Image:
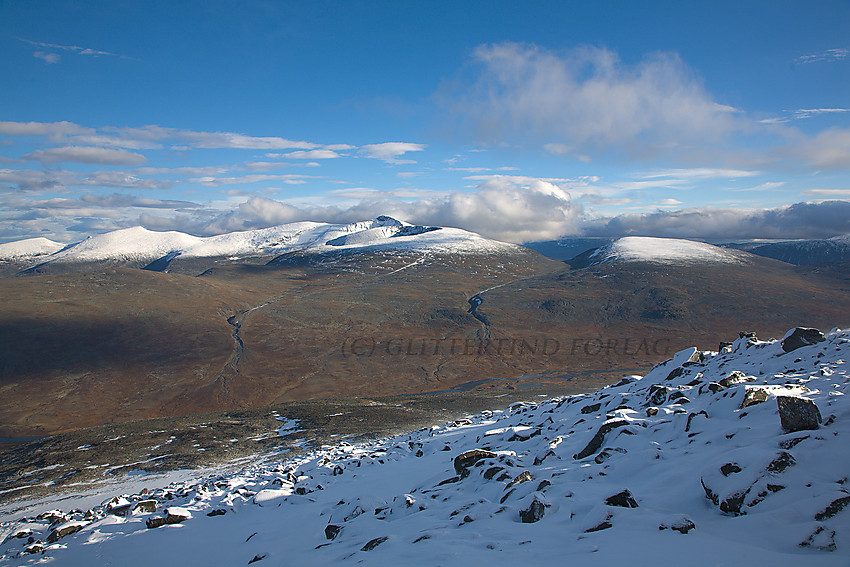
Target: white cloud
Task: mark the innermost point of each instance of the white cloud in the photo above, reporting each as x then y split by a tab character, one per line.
215	140
586	100
73	48
829	149
829	55
211	181
767	186
669	202
701	173
828	192
86	154
42	128
390	151
310	154
51	58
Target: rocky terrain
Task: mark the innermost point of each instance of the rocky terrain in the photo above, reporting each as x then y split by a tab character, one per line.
734	457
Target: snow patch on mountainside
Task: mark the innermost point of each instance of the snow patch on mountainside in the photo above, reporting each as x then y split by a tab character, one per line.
663	250
30	247
735	457
143	245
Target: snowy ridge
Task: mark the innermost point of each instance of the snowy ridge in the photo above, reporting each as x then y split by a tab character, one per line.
29	248
700	461
663	250
141	244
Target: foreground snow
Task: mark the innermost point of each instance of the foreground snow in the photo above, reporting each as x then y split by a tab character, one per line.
692	464
141	244
663	250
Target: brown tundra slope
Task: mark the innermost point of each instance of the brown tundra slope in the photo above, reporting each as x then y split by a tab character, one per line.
114	344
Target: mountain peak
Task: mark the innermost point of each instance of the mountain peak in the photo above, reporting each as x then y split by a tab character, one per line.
662	251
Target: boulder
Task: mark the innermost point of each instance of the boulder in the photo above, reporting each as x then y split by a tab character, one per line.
800	337
465	460
145	506
596	443
372	544
524	476
797	414
623	499
65	529
533	513
331	531
754	395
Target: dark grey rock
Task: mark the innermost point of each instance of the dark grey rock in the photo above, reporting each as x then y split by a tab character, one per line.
780	463
524	476
331	531
802	336
730	468
623	499
596	443
372	544
834	507
145	506
798	414
533	513
465	460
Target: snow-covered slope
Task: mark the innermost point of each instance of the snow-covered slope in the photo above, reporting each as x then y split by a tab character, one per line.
143	245
29	248
662	250
700	462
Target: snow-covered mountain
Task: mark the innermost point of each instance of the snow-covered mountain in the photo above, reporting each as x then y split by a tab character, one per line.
139	244
735	457
658	250
29	248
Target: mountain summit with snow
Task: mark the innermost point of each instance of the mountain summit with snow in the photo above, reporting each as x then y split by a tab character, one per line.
660	251
140	245
735	457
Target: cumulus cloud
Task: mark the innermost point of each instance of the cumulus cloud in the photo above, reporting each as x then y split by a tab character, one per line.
505	208
801	220
42	128
87	154
390	151
585	99
216	140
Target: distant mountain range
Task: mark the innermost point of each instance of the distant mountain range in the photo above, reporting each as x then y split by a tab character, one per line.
802	252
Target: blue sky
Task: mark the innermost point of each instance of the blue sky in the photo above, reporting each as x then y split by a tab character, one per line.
521	121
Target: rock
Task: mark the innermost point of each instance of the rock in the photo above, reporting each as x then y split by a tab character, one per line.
173	515
492	471
822	539
465	460
714	387
735	377
651	411
730	505
145	506
658	394
683	526
678	398
754	395
797	414
730	468
604	525
257	558
800	337
331	531
65	529
591	408
780	463
623	499
543	484
372	544
596	443
217	512
834	507
524	476
533	513
338	470
675	373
